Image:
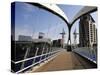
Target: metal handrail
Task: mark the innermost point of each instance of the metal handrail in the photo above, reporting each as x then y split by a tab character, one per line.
31	58
86	53
54	55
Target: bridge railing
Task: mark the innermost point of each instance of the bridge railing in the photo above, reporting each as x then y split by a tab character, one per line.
28	63
87	52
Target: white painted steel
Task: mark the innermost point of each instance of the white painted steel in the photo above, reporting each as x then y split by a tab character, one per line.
86	52
32	57
83	11
52	56
56	9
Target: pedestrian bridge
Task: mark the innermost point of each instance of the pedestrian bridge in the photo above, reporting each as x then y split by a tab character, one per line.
65	61
56	59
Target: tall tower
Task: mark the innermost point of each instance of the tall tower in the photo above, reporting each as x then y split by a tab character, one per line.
87	31
75	36
63	35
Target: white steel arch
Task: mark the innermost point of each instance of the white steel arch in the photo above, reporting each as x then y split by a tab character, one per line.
84	10
53	8
56	9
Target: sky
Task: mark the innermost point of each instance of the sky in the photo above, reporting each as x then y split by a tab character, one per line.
30	20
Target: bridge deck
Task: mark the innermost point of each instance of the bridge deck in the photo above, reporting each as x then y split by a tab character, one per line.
66	61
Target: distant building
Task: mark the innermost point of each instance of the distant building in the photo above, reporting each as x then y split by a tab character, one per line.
45	40
24	38
87	31
57	43
41	35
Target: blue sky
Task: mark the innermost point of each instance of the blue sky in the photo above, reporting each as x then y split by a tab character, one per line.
30	20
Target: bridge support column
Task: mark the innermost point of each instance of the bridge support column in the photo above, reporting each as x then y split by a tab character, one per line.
69	39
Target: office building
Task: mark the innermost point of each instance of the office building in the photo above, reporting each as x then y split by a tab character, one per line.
87	31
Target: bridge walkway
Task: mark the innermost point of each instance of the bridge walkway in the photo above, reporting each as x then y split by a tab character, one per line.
66	61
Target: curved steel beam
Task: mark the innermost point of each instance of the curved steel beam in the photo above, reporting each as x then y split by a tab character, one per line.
85	10
53	8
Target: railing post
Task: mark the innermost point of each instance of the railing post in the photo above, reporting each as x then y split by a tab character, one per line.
46	52
37	49
27	51
42	53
